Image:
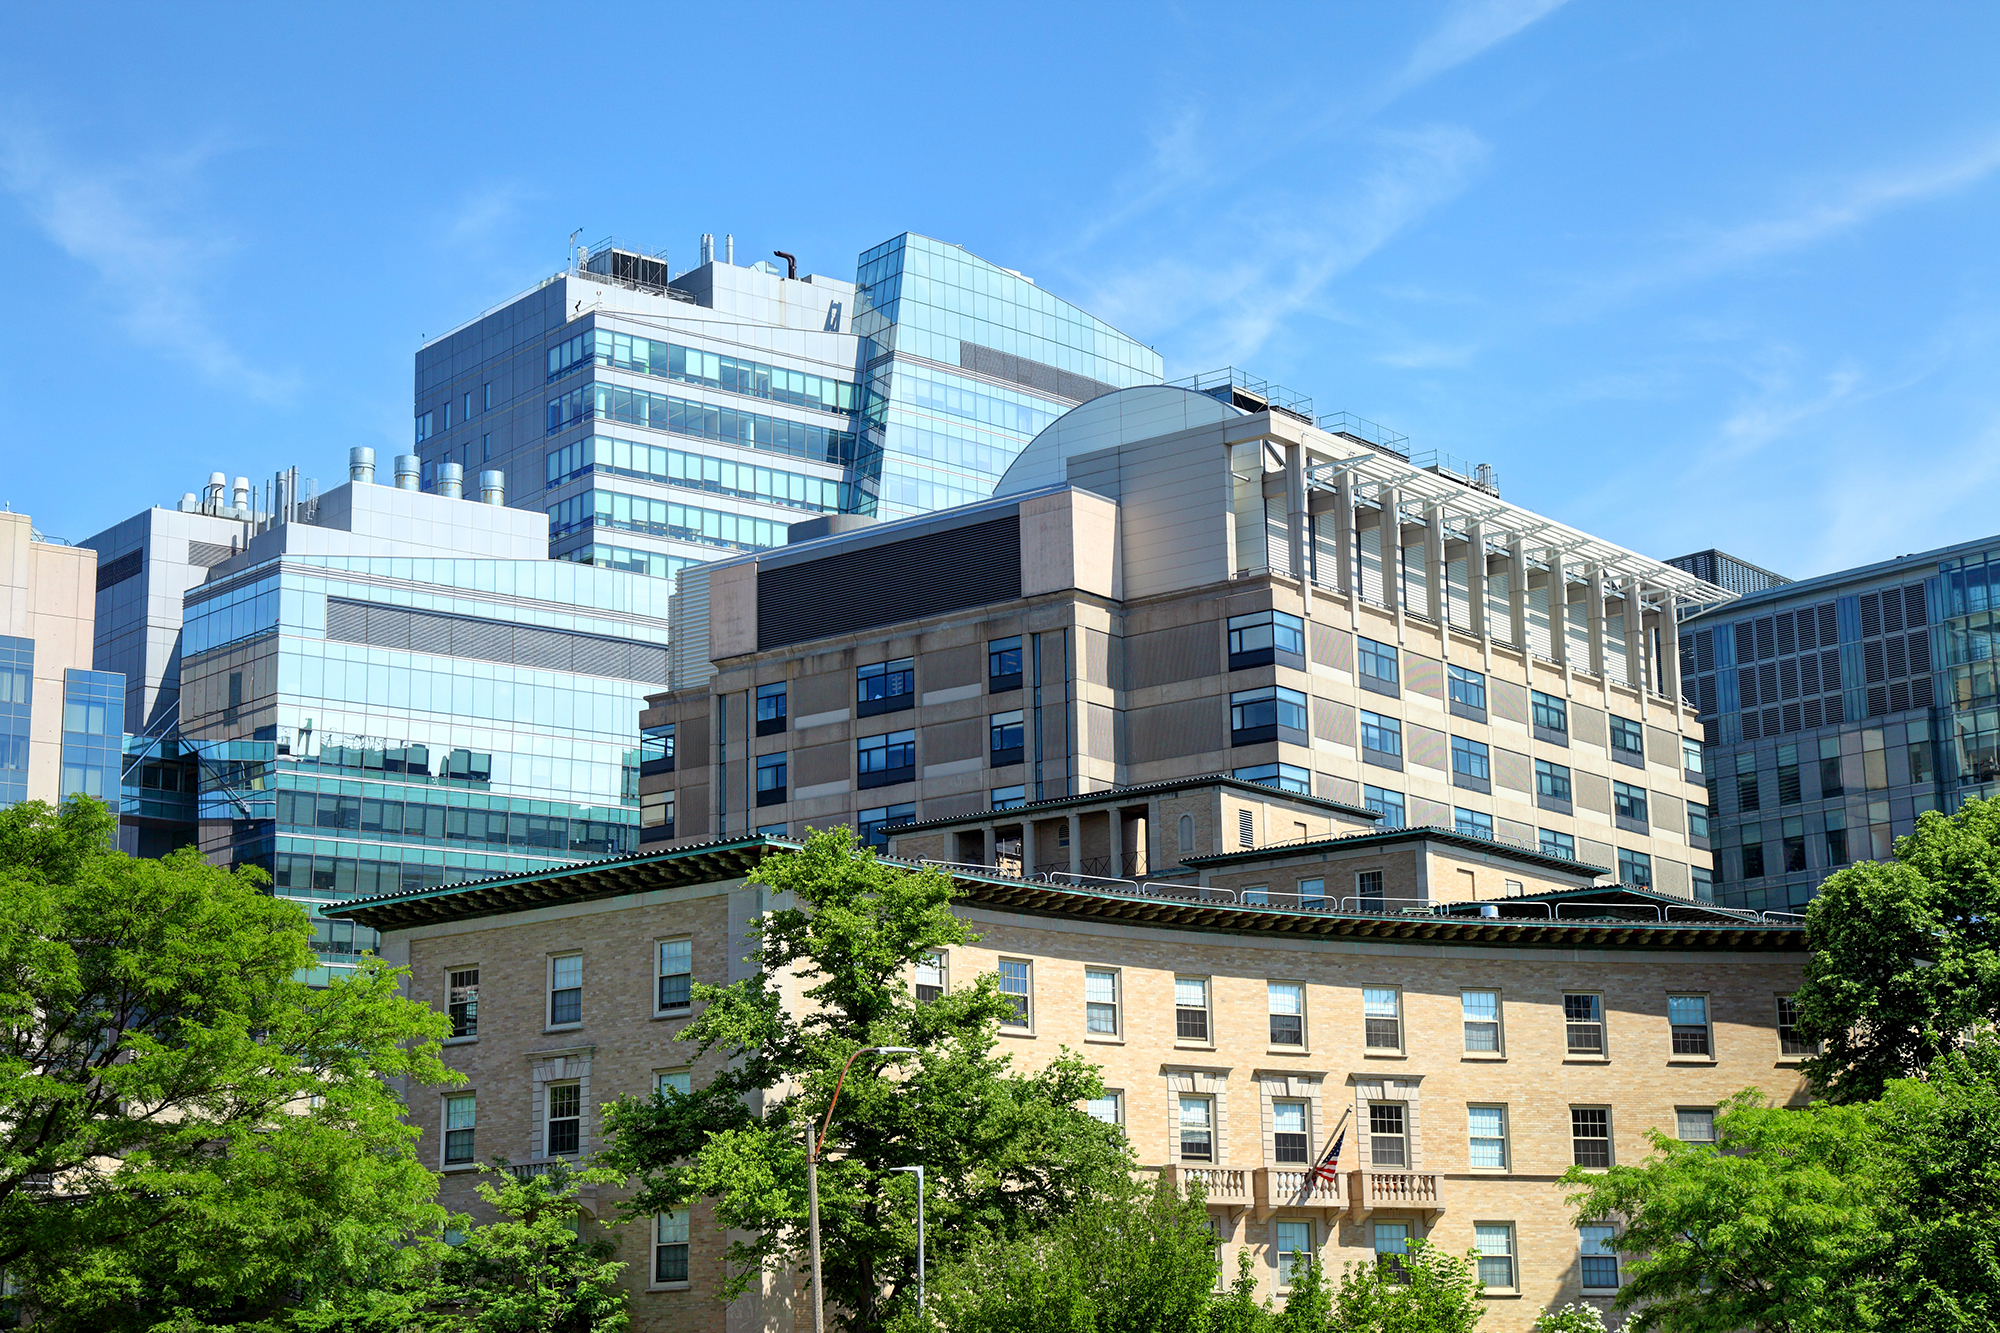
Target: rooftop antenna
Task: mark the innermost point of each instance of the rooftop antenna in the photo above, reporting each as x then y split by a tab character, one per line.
572	246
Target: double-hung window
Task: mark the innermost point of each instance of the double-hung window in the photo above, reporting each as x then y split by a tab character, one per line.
1583	1023
1486	1132
565	989
676	976
1687	1015
565	1119
1015	984
888	759
1312	893
1494	1242
1368	888
1378	667
1697	821
771	773
1294	1244
1267	714
1191	1009
1599	1256
1590	1135
1790	1042
1691	759
460	1119
1629	802
930	979
1628	741
1382	1018
1110	1108
770	709
885	687
1287	1004
1481	1012
1388	1134
1100	1002
1392	1248
1471	767
462	1002
1381	741
1197	1120
1551	715
1003	664
679	1082
1289	1143
1006	738
1694	1124
670	1247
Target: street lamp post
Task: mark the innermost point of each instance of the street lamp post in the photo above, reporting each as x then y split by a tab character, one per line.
919	1171
815	1142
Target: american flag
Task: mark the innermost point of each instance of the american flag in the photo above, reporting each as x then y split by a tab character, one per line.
1329	1166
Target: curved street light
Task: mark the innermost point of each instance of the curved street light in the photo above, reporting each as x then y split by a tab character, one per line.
814	1142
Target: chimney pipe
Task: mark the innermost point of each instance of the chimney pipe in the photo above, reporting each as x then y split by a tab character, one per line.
729	248
240	493
791	263
409	467
361	465
493	488
708	247
212	494
451	481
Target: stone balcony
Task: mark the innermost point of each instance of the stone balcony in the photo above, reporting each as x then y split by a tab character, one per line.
1396	1191
1223	1186
1293	1187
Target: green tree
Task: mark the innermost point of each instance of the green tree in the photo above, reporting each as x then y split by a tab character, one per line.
1431	1291
1576	1317
1005	1153
183	1124
1777	1227
1905	962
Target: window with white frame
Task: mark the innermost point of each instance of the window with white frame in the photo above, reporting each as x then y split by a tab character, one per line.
564	1127
679	1081
1688	1016
1288	1013
566	989
460	1119
462	1002
1289	1141
1583	1021
1481	1012
1382	1018
1110	1108
1015	978
1312	893
930	979
1392	1247
1294	1244
1590	1136
670	1247
1494	1242
676	976
1389	1134
1486	1132
1694	1124
1599	1245
1100	1002
1197	1126
1789	1041
1191	1009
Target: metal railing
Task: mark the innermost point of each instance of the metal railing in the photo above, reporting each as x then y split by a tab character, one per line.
1369	432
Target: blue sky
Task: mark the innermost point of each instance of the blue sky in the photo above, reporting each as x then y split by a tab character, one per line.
1687	275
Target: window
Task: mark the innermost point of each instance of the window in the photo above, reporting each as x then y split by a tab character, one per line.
1551	782
885	687
1288	1132
465	411
771	830
1184	834
462	1002
1010	798
1287	1003
486	448
1486	1132
887	759
1829	766
486	405
930	978
1590	1135
1003	664
1368	888
1005	738
770	709
1583	1018
1469	764
1480	1010
566	989
1191	1009
1551	717
565	1122
1630	804
1388	804
1263	637
676	976
1687	1015
1472	823
1635	869
1558	844
1600	1257
872	825
1697	820
1100	1002
460	1116
1382	1018
1378	666
1691	755
1753	851
1014	983
1836	846
656	749
677	1081
1266	714
1312	893
1293	1241
1259	896
656	816
1392	1246
1793	844
1788	775
1494	1242
1746	781
1381	740
1628	740
670	1247
1197	1129
1285	777
1789	1040
770	779
1694	1124
425	424
1110	1108
1388	1134
1466	689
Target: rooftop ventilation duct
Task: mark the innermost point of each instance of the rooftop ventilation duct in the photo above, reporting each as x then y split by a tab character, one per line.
493	488
361	465
451	481
408	469
708	247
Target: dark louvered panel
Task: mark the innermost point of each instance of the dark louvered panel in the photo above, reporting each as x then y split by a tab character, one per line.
1920	651
114	572
1914	610
430	633
1829	625
542	648
346	622
1788	679
1873	662
929	574
1767	645
1829	669
1871	614
1767	683
1809	674
1812	714
1746	642
1746	686
1787	639
1704	651
1791	717
1899	664
493	641
388	627
1920	692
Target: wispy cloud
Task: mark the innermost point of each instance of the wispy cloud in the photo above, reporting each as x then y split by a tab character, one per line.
1470	27
123	225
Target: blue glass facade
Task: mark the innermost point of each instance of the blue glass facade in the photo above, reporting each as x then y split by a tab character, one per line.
928	313
1969	676
371	725
17	687
93	743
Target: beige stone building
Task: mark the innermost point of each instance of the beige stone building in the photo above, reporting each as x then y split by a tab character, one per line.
48	616
1169	585
1472	1023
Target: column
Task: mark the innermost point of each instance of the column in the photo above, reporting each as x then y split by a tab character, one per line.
1392	552
1475	575
1343	530
1636	665
1517	592
1115	839
1298	523
1558	610
1028	857
1075	843
1435	590
989	853
1668	625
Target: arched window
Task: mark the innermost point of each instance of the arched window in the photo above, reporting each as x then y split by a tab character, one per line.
1187	833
